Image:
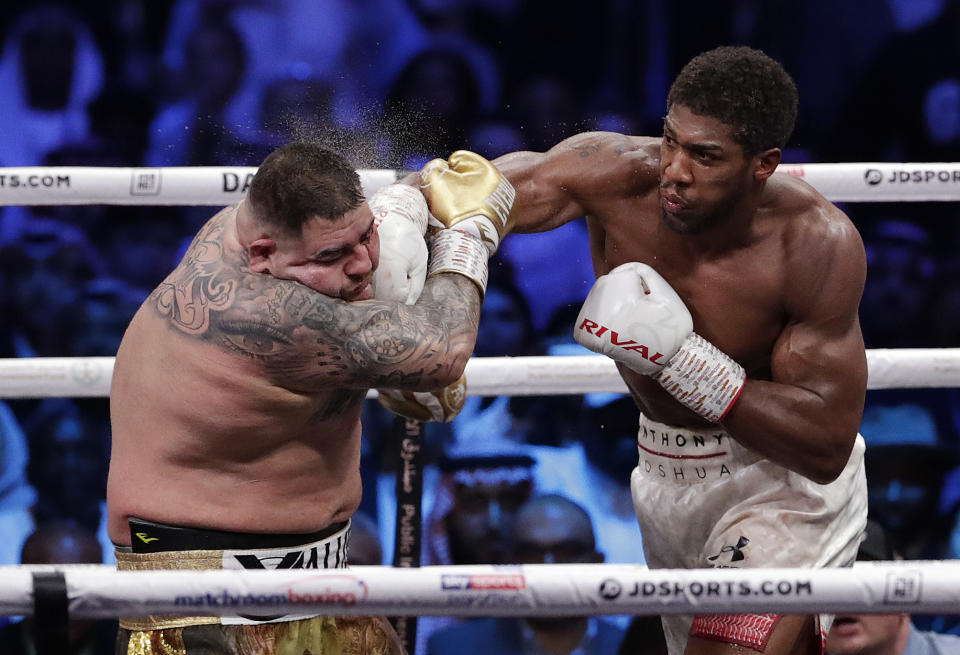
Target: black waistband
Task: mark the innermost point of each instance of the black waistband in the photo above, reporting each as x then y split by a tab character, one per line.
150	537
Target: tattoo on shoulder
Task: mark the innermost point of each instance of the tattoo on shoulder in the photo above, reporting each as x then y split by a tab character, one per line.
202	283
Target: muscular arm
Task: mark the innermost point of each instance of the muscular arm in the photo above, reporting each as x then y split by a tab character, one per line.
807	417
307	341
557	186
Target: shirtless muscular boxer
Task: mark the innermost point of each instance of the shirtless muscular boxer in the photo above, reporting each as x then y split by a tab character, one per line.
728	297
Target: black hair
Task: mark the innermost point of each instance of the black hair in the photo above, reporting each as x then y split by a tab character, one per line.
743	88
301	181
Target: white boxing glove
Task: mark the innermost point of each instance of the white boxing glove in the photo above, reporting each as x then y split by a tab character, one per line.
400	215
634	316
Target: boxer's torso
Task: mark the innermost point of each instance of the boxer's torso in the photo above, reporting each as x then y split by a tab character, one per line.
738	296
204	436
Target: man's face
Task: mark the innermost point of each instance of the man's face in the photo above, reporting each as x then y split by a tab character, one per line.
703	171
482	520
336	258
863	633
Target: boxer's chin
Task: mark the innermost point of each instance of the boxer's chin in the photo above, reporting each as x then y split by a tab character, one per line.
363	292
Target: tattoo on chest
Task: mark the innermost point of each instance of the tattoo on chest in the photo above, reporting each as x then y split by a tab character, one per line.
200	284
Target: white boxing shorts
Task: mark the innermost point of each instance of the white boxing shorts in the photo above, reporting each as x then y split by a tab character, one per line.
703	500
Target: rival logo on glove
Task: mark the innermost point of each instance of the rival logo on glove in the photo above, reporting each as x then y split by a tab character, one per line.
597	330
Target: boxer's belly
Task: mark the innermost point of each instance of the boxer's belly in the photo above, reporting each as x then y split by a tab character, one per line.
295	491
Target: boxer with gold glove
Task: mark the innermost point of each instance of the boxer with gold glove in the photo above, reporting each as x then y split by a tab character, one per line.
470	203
400	215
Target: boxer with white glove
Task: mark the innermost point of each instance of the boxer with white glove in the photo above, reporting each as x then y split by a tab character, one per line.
400	215
634	316
470	203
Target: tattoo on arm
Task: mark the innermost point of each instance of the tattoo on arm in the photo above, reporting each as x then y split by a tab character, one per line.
303	338
200	284
375	343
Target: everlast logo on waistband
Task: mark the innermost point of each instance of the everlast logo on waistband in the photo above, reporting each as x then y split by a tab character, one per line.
597	330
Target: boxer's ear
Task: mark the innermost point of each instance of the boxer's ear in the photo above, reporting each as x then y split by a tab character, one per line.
260	252
766	163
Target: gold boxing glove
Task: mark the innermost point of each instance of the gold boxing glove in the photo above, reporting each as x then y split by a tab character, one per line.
440	406
469	194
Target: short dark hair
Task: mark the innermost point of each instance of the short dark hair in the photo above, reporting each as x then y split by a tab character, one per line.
301	181
745	89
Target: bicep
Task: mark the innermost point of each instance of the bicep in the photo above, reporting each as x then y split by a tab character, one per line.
559	185
543	199
822	349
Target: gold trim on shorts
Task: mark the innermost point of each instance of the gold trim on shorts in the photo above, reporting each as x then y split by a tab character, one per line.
173	560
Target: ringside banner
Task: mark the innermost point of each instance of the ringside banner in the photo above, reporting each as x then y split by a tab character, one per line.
533	590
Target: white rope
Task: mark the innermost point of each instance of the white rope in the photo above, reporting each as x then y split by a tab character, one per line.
224	185
532	590
175	185
89	377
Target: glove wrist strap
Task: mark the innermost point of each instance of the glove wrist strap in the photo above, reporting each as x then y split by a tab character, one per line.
455	251
703	378
399	199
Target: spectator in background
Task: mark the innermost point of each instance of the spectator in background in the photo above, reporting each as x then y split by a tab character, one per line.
129	32
194	130
481	488
470	510
883	634
105	307
910	435
898	295
50	68
295	109
119	121
547	109
548	529
92	151
586	448
908	461
917	76
141	243
946	329
68	465
549	289
431	106
495	137
506	330
46	267
61	542
365	549
17	495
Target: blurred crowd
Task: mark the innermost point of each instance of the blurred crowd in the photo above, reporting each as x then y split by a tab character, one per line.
392	84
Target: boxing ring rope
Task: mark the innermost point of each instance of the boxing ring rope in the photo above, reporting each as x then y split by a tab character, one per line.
79	377
224	185
529	590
